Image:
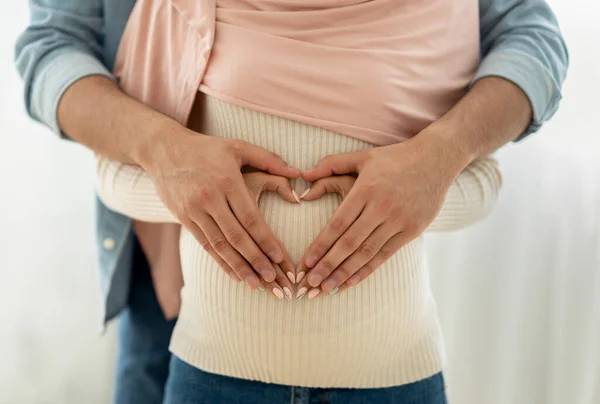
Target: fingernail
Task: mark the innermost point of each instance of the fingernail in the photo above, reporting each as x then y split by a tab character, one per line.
315	280
300	276
268	275
301	293
305	193
353	280
295	196
334	291
251	280
261	288
287	292
314	293
276	256
290	276
278	293
311	261
329	284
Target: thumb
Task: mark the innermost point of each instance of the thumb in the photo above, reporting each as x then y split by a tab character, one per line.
339	184
346	163
259	182
282	186
250	155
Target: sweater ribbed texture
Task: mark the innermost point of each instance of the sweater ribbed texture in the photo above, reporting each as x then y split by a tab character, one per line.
383	332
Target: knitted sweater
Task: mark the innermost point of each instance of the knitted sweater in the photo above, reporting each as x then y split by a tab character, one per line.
383	332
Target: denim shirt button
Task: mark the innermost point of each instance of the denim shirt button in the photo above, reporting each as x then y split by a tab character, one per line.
108	244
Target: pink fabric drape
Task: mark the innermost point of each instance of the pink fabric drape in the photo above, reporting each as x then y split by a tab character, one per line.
377	70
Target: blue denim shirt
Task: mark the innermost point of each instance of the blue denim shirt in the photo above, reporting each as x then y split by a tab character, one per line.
70	39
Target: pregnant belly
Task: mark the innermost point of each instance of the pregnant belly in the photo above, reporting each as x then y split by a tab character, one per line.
371	325
395	293
226	321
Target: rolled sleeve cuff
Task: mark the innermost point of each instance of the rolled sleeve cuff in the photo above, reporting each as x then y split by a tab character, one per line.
56	75
534	79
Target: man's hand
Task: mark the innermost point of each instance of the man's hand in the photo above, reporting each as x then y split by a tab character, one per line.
199	179
397	194
258	182
401	188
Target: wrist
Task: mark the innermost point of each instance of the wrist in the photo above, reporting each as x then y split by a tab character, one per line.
155	141
493	113
444	142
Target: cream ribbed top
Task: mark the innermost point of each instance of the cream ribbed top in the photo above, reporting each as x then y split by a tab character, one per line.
383	332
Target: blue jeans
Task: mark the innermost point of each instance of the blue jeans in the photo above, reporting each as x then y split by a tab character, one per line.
144	335
189	385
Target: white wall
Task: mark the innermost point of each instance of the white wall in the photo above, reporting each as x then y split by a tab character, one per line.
544	289
49	348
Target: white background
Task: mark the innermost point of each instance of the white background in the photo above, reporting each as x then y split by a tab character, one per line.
518	295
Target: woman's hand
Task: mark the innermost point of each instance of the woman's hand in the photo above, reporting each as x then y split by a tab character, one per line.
199	179
397	194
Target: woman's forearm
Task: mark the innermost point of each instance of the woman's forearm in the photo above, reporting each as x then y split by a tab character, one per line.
471	196
130	191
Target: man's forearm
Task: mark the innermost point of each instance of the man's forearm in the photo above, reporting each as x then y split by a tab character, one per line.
96	113
493	113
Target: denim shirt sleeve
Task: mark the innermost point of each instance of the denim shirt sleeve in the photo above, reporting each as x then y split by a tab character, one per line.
61	45
521	42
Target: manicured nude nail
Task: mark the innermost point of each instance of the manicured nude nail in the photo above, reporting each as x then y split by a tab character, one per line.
295	196
290	276
261	288
278	293
334	291
288	293
305	193
301	293
313	293
300	276
329	284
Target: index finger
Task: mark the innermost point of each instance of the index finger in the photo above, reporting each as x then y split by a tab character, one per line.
250	217
346	214
264	160
281	287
